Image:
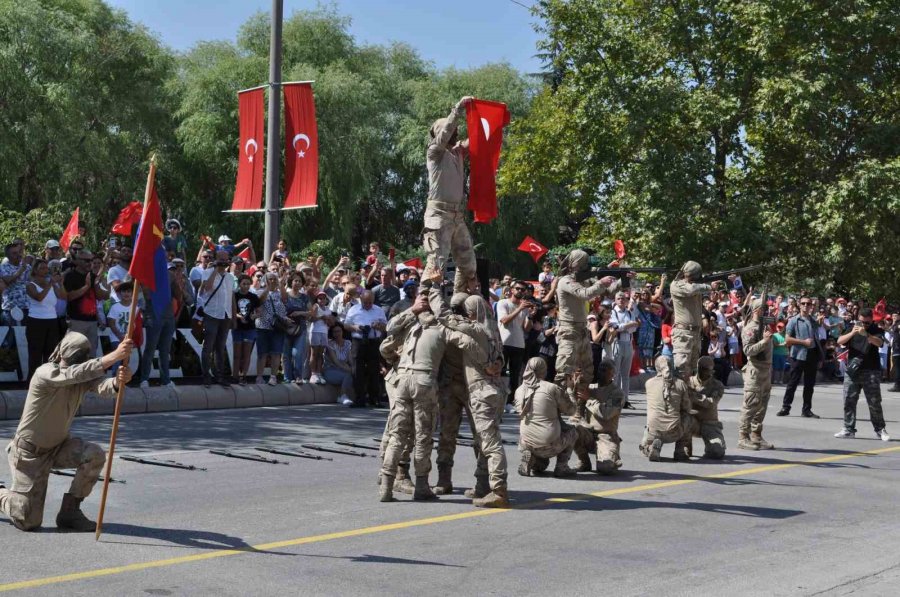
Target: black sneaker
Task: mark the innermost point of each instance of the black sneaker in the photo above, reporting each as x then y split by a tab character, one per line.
810	414
783	412
894	389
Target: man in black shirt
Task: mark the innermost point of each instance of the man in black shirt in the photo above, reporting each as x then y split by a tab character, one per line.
895	352
863	374
84	287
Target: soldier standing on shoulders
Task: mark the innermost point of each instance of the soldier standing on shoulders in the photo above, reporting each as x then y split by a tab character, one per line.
42	440
687	300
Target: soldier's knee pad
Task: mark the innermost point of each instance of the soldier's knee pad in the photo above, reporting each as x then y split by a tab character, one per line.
94	455
607	466
21	514
715	449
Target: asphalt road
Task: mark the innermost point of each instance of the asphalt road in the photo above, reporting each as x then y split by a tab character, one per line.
817	516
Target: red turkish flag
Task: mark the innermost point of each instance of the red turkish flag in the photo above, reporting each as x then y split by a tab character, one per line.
533	248
414	262
245	254
880	310
301	147
251	152
485	121
70	232
128	218
619	248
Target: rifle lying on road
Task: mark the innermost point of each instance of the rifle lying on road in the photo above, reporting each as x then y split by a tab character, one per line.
166	463
335	450
243	456
617	272
293	453
354	445
72	474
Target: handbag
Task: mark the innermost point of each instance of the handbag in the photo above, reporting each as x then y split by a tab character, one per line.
209	298
284	324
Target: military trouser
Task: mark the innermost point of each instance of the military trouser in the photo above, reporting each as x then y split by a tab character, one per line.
604	445
412	416
757	388
391	391
679	435
487	404
561	447
573	353
446	233
453	401
685	350
868	381
23	503
712	435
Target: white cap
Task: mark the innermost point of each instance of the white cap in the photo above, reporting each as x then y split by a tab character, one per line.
223	238
52	244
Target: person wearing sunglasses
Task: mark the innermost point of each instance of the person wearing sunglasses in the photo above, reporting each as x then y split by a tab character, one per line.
804	358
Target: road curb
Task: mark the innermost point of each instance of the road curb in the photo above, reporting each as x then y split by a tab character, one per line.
185	398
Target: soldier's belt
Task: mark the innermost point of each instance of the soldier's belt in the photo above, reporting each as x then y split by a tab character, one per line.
445	206
27	446
427	372
684	326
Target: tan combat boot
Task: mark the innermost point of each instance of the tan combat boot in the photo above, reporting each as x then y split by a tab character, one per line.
654	449
498	498
423	491
403	483
525	466
761	444
563	470
744	443
386	492
71	518
481	489
445	484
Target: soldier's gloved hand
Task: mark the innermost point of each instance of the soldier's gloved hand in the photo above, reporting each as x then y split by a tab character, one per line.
465	101
123	376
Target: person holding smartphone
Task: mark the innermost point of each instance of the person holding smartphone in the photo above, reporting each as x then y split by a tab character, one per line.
218	317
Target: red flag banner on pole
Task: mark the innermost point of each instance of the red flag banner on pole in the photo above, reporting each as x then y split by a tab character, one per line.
301	146
251	153
70	232
880	310
533	248
485	121
414	262
619	248
128	218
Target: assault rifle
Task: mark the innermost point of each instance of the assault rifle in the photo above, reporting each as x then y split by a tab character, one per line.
617	272
723	275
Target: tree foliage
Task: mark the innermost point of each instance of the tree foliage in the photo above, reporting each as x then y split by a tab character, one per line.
724	131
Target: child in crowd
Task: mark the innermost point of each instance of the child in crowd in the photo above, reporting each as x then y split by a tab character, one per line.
320	315
779	354
546	276
117	318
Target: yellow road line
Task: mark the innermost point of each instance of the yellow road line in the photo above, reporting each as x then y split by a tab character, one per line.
88	574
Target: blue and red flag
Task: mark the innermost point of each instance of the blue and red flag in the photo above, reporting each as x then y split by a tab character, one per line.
148	262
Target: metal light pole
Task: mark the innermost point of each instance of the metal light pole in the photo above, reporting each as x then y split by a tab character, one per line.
273	157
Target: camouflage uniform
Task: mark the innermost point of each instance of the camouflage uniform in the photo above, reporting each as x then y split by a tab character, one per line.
446	232
541	432
757	385
486	396
42	439
668	412
573	338
707	391
687	302
599	429
390	352
415	398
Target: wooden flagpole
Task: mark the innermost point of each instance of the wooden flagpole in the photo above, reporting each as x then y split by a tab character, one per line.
120	395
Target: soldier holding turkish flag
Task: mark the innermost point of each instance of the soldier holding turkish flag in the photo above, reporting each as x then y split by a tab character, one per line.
445	231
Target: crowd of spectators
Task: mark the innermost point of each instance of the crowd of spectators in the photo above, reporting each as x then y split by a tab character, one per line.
319	324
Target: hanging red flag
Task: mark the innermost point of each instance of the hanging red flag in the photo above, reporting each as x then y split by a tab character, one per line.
533	248
414	262
880	310
245	254
301	150
128	218
70	232
251	152
485	121
619	248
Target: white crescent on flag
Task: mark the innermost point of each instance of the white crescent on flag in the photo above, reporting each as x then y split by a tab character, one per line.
535	247
250	142
487	128
300	137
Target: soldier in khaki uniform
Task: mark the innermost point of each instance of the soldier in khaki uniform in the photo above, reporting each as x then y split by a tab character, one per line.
390	351
415	396
757	382
599	429
542	434
668	412
486	395
572	336
453	401
707	392
687	299
446	232
42	440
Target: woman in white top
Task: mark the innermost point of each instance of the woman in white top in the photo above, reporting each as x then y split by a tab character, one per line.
41	326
